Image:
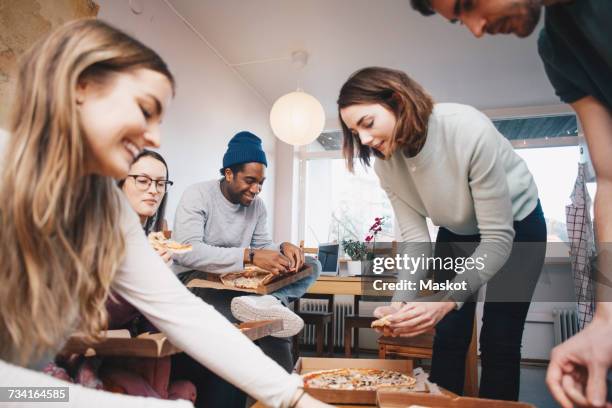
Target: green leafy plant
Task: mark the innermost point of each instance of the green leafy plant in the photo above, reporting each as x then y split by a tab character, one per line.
355	249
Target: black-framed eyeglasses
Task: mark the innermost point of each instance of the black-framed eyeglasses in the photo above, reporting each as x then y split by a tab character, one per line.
144	182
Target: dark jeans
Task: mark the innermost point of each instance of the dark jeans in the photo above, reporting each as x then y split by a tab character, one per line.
502	321
213	391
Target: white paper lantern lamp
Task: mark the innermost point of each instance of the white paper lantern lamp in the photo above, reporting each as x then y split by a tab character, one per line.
297	118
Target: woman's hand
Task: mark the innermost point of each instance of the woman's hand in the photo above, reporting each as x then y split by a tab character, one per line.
416	318
383	311
166	255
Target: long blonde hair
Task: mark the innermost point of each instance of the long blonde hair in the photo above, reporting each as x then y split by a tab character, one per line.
60	245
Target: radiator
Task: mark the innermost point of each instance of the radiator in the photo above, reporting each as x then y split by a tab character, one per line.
565	324
341	309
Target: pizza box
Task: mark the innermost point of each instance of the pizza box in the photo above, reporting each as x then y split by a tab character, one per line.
213	281
118	343
399	399
307	364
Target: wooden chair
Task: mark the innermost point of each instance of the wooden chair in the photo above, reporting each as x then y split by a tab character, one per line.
319	319
355	322
422	347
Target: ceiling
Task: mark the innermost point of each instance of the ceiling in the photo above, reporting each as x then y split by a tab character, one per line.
342	36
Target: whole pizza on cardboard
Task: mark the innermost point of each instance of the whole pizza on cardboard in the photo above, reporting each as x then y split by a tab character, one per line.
364	379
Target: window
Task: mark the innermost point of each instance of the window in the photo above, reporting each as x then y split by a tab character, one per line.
341	205
554	170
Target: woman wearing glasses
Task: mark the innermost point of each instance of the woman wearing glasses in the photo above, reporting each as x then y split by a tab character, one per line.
145	188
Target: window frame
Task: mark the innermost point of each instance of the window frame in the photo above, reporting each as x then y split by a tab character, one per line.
303	155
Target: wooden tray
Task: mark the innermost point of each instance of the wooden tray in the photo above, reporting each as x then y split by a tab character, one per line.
394	399
118	343
308	364
213	281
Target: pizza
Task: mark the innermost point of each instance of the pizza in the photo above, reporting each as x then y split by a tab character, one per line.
251	278
159	241
381	323
364	379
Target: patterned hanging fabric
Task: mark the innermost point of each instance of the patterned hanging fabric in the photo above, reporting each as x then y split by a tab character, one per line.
582	247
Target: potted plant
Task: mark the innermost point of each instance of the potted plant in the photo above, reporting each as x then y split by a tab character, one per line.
357	252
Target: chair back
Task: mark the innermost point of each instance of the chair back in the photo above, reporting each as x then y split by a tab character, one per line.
308	250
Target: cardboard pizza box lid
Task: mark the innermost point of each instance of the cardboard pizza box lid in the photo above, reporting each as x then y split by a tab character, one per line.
213	281
308	364
395	399
119	343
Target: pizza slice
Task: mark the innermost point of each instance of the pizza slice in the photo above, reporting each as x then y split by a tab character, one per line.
251	278
382	322
159	241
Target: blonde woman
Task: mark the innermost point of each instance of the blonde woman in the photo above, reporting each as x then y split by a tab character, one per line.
89	100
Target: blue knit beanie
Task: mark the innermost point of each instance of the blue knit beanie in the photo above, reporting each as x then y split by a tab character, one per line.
244	147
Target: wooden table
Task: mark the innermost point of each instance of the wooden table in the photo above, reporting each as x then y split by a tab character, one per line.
348	285
354	286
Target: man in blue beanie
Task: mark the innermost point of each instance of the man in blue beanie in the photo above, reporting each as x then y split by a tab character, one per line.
226	223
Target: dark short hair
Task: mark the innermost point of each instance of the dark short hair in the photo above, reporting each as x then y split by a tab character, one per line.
156	222
236	168
423	7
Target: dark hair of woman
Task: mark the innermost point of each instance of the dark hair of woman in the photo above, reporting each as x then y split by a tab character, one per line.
397	92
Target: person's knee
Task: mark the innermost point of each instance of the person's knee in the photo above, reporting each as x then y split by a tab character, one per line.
315	264
316	270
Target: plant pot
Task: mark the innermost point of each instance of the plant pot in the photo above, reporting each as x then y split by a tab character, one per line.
367	267
354	268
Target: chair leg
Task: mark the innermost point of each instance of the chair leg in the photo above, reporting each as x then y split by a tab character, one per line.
357	341
470	388
330	338
320	338
348	331
382	351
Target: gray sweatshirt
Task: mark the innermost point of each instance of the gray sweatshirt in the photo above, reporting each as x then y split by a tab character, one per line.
218	230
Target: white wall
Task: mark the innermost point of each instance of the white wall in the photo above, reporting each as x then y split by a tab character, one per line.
286	197
212	103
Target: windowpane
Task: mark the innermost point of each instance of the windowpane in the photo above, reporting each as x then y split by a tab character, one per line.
554	170
341	205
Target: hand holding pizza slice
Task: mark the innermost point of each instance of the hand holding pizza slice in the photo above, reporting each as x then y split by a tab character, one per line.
159	241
